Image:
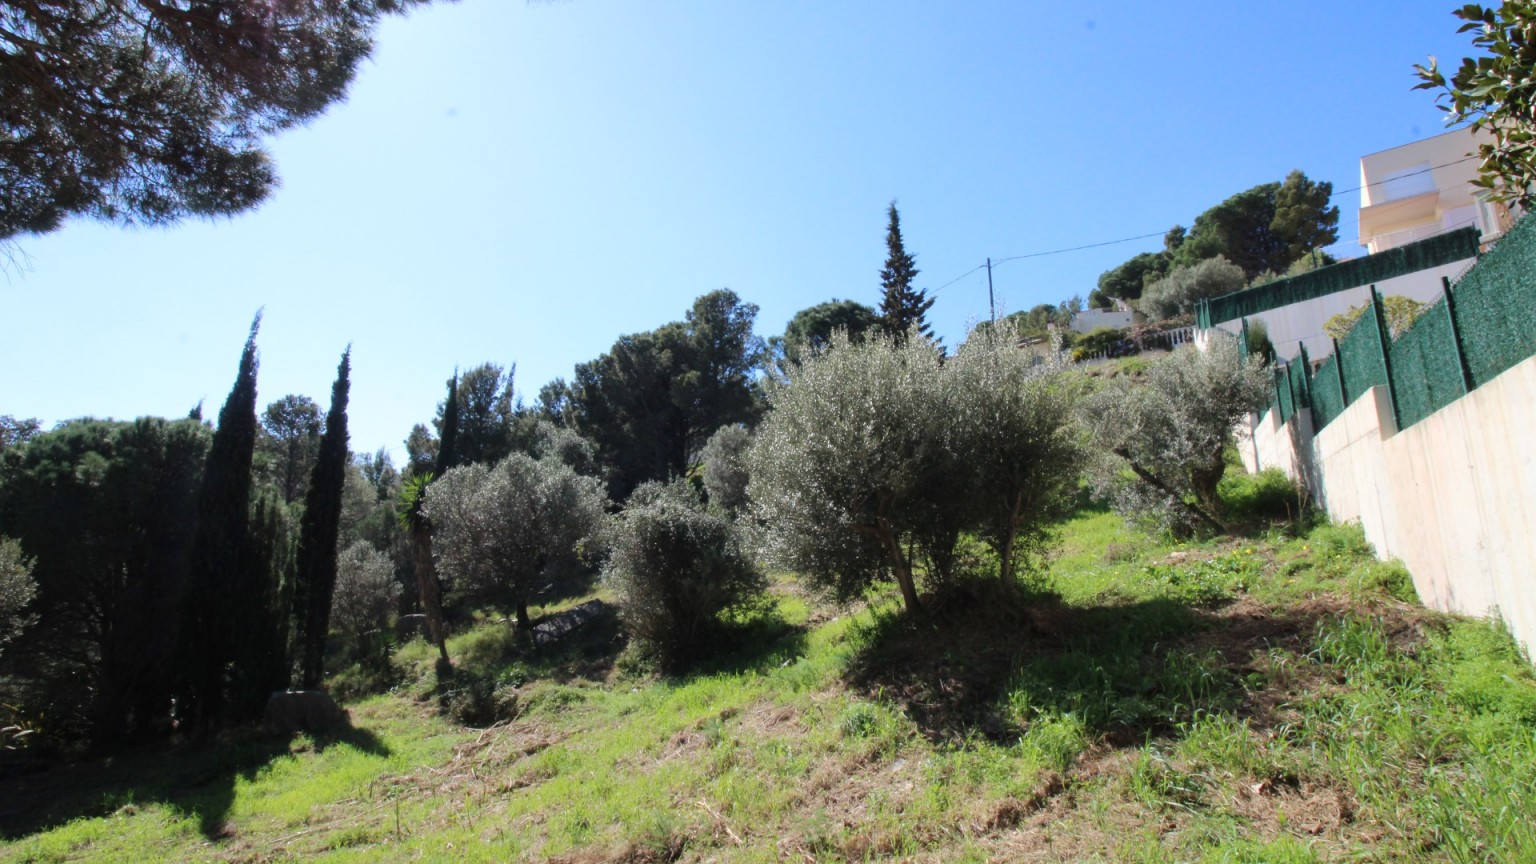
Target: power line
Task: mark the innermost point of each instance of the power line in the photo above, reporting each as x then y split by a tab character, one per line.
1040	254
958	278
1403	176
1079	248
1164	233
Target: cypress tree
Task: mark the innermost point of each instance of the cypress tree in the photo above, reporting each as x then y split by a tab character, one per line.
448	436
219	600
902	307
262	661
315	572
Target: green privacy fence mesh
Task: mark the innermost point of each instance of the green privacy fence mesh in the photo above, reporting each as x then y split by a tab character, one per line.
1285	399
1327	397
1426	373
1447	248
1362	356
1495	305
1482	327
1292	390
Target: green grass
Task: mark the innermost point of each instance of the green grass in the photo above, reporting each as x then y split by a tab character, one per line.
1275	697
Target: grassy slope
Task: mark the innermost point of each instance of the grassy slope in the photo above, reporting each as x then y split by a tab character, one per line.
1272	699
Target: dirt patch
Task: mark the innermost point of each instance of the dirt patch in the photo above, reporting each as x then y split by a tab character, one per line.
503	744
766	719
1308	808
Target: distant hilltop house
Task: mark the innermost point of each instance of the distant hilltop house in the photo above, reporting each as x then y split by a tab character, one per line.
1118	318
1422	221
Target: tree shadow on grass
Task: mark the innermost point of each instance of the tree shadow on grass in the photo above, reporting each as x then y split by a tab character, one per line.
568	588
587	653
760	642
986	657
198	780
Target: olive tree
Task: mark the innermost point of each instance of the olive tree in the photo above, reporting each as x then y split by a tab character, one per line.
566	445
843	463
725	470
1170	431
1179	290
507	530
878	451
366	594
1012	421
675	567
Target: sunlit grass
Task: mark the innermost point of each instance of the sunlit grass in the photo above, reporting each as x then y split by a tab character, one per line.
1265	698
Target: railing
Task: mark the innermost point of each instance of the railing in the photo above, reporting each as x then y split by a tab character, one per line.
1396	239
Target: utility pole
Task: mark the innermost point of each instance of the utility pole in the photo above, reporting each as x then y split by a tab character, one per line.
991	303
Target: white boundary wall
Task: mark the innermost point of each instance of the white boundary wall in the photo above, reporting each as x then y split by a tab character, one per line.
1452	496
1293	324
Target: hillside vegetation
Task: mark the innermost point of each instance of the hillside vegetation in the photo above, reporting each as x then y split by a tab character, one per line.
1279	698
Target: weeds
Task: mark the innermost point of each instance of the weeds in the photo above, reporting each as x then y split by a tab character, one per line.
1205	582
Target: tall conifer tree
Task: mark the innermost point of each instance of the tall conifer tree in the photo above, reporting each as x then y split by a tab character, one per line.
218	596
262	661
315	573
448	436
902	307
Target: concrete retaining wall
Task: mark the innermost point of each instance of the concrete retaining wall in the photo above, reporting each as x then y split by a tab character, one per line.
1453	496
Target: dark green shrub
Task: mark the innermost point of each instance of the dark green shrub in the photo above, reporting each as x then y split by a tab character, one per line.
1258	344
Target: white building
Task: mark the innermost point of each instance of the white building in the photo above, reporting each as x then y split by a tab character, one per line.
1425	188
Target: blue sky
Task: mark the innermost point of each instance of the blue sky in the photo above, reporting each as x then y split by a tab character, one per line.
522	183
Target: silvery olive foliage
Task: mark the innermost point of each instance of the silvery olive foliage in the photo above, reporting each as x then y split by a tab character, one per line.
1178	291
841	464
1170	431
505	531
878	450
367	591
566	445
725	469
1013	421
16	590
676	567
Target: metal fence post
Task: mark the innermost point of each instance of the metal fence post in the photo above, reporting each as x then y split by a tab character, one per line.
1467	384
1384	339
1338	366
1290	385
1306	372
